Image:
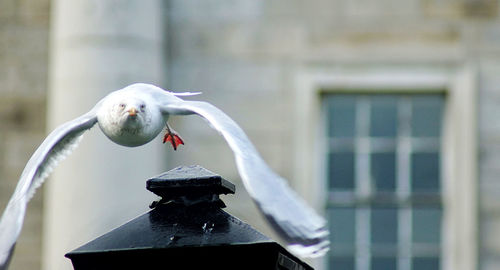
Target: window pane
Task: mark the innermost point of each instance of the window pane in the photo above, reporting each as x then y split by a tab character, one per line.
341	263
426	224
341	170
341	115
426	116
383	116
425	172
383	171
384	225
342	224
381	263
425	263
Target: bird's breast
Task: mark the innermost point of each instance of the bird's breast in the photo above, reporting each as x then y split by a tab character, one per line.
132	133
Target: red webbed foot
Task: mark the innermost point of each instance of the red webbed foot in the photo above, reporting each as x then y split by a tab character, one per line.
172	137
175	140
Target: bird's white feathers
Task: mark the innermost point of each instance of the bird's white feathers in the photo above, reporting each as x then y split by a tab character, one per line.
289	215
58	153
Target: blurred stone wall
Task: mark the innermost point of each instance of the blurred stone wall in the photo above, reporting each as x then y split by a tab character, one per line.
24	37
243	55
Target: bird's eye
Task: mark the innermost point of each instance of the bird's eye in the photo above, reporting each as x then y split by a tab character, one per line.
143	106
122	105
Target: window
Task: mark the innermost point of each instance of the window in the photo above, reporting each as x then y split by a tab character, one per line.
384	202
414	208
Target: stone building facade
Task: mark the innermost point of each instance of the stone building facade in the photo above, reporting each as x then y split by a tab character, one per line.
24	52
267	64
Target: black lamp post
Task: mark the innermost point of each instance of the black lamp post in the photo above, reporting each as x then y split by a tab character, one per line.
187	229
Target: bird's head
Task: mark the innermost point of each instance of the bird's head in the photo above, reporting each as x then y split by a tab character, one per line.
131	112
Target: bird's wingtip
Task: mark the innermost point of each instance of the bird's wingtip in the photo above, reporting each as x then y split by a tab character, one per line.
6	257
184	94
312	251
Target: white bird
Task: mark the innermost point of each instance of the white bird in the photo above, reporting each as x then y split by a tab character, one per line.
135	115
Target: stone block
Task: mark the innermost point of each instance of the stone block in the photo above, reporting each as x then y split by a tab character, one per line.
34	12
7	11
238	40
385	10
489	190
489	262
453	9
22	114
19	148
124	20
292	9
215	11
490	231
219	78
489	100
23	60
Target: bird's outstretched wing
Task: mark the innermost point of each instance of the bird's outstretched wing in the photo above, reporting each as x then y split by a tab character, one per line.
288	214
54	148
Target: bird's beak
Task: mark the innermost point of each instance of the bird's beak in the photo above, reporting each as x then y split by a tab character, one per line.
132	112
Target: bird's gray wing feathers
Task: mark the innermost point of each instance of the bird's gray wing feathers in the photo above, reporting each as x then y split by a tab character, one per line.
289	215
58	144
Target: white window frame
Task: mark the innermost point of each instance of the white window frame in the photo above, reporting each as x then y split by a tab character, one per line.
459	147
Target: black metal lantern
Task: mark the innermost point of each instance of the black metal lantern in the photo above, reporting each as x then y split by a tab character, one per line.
186	229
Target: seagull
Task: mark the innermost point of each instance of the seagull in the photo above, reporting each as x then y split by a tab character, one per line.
135	115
